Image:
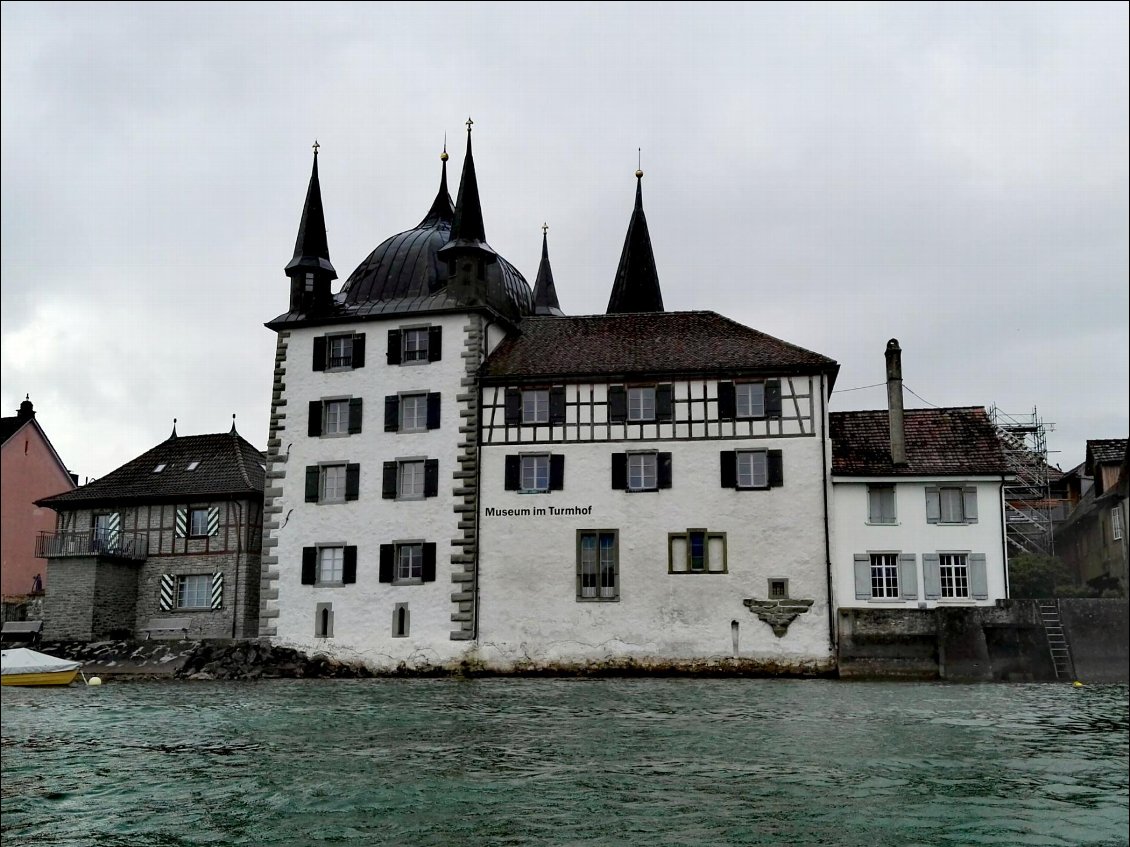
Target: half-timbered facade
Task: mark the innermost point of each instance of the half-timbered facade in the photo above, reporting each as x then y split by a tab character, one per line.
174	532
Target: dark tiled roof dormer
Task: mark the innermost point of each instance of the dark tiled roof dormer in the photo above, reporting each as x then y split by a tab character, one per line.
1104	451
939	442
229	467
645	344
636	287
545	293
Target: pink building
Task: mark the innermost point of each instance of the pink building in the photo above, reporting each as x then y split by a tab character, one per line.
30	469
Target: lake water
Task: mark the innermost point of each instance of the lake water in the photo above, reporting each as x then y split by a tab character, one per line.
652	762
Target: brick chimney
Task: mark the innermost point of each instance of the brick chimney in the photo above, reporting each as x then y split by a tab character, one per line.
894	401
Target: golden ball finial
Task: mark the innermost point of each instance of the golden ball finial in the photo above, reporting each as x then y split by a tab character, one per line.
639	173
443	156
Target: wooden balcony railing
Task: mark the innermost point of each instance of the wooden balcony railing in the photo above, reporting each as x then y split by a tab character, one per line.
115	544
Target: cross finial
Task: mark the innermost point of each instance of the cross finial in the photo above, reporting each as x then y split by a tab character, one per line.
544	228
316	146
469	123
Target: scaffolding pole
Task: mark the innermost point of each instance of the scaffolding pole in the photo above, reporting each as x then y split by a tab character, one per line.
1028	502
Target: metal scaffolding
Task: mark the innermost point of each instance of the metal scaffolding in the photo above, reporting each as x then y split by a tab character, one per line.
1029	507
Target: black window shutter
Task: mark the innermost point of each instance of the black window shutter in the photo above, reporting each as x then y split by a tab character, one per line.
385	569
772	398
309	565
729	468
354	415
664	470
388	481
663	405
557	404
556	472
352	481
617	403
620	471
513	406
392	413
320	353
349	566
435	343
315	419
513	475
359	350
776	469
429	569
393	353
431	477
727	402
433	410
312	478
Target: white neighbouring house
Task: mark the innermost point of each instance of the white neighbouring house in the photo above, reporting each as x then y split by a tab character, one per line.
457	472
918	514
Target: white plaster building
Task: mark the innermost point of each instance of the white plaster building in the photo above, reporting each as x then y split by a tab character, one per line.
457	472
918	514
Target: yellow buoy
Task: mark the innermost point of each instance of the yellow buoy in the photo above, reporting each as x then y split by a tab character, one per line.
94	680
1077	684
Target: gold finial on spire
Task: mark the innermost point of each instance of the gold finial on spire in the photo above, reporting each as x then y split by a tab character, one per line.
639	163
443	155
544	228
469	123
316	146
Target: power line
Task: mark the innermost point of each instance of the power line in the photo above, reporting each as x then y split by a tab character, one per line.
859	388
920	397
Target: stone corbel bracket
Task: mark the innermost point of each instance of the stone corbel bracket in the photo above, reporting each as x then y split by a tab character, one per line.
778	613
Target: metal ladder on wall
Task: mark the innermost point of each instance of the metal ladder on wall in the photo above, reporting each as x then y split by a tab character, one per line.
1057	642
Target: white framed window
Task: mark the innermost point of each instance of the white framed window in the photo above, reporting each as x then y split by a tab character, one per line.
597	565
332	488
1116	523
749	398
413	412
535	406
885	575
643	471
194	591
198	522
410	480
953	570
753	468
641	403
331	565
339	351
535	473
335	417
409	561
881	504
414	345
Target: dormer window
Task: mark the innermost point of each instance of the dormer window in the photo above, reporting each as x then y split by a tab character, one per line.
309	282
192	466
159	468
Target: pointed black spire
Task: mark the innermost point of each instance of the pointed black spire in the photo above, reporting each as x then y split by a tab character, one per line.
174	432
442	211
232	430
310	270
636	288
467	228
545	294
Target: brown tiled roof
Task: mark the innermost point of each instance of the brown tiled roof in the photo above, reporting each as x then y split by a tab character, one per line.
1105	450
645	343
944	442
229	466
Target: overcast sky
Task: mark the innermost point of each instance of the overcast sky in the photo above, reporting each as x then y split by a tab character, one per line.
834	175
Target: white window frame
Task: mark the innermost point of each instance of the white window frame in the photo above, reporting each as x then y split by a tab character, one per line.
749	399
534	477
641	403
194	591
410	483
414	345
598	565
198	522
948	496
885	576
875	494
954	576
335	416
409	562
331	483
643	471
331	564
752	468
1116	523
535	405
339	351
418	421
